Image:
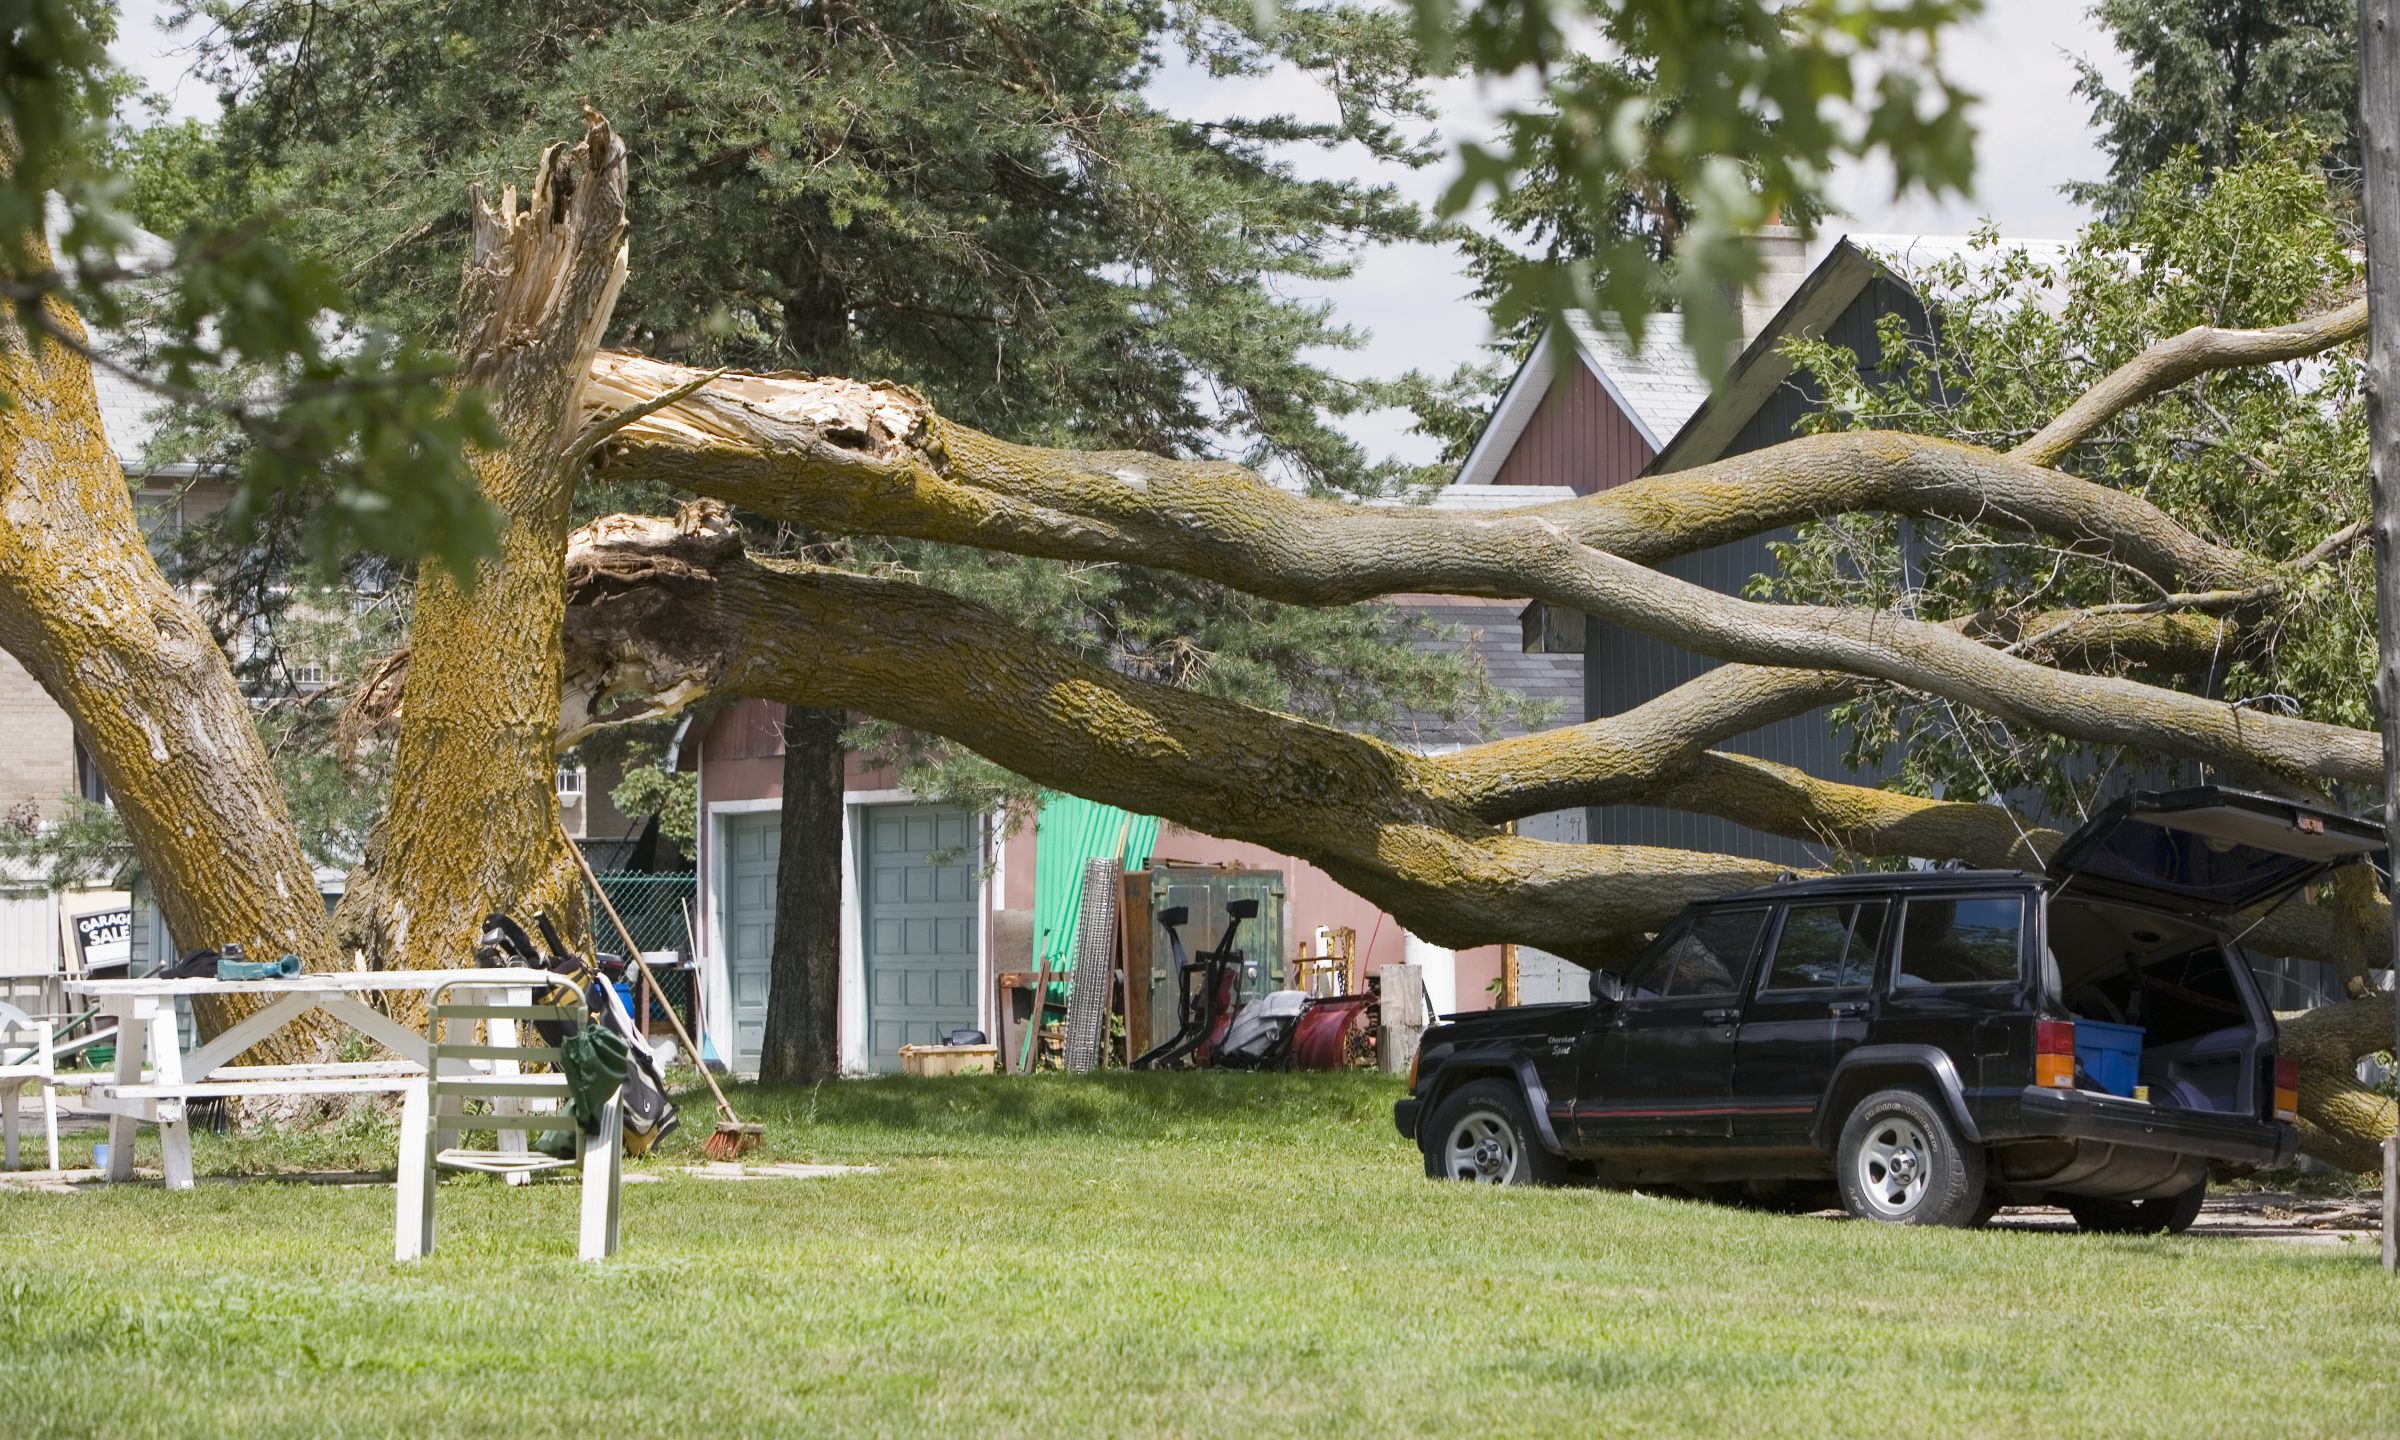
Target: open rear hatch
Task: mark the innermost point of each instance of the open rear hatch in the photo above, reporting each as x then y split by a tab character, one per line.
2208	850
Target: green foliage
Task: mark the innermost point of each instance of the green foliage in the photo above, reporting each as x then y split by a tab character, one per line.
978	200
1557	213
2205	71
672	795
982	203
232	321
2270	460
1712	118
82	846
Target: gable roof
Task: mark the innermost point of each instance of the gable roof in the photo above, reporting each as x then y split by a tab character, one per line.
1656	388
1660	388
1831	287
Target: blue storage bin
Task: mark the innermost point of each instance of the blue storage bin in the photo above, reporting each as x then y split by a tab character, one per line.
2109	1055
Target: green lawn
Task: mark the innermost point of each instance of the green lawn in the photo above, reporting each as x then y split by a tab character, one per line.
1181	1255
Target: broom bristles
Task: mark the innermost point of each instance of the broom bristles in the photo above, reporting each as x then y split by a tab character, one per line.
731	1141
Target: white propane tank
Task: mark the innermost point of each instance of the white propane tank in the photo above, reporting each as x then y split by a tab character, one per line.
1440	968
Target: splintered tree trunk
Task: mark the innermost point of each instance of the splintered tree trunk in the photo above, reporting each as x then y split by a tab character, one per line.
804	1007
472	826
84	608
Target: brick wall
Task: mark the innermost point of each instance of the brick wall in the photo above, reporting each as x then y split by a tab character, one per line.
37	743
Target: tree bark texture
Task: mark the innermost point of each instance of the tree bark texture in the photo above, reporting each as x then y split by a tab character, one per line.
847	457
804	997
665	613
472	825
2379	148
84	608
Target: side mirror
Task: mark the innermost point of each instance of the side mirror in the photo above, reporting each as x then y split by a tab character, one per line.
1607	988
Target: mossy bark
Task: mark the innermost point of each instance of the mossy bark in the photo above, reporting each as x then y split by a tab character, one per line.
472	826
84	608
848	457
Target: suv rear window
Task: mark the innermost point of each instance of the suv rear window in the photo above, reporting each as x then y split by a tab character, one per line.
1828	946
1711	957
1959	940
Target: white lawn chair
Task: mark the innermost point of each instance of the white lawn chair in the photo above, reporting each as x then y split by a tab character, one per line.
28	1056
437	1105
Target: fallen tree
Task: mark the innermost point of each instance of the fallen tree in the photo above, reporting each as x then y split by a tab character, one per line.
636	617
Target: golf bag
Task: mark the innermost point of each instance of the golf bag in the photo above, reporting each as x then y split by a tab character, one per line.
648	1114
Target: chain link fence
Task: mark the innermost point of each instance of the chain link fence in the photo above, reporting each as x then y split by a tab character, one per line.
653	908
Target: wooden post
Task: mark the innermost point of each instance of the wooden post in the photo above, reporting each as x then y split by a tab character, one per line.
2391	1203
2379	139
1403	1019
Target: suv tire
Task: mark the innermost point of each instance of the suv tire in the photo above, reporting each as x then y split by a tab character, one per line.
2166	1215
1481	1133
1901	1162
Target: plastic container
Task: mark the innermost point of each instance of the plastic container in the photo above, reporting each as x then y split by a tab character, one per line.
2109	1055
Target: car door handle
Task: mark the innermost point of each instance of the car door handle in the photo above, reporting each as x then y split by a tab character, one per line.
1847	1009
1720	1017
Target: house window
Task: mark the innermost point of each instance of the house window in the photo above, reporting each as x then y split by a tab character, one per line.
570	784
88	783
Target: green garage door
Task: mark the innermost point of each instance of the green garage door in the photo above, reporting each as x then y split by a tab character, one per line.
917	870
752	843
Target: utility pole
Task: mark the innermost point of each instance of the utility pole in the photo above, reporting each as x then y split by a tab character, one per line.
2379	133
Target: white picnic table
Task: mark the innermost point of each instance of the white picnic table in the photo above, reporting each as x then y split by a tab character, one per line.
155	1076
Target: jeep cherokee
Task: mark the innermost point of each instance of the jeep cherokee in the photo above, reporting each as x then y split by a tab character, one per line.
1936	1043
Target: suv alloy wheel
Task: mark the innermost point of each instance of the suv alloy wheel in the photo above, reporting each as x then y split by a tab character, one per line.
1480	1133
1901	1162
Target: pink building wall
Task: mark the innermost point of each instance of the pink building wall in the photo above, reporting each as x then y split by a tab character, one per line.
740	756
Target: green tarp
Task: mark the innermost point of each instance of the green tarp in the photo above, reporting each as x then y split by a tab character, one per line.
1068	832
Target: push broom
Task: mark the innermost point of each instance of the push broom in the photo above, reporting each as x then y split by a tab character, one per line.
732	1139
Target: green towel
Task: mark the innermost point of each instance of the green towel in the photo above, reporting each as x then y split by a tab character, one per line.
596	1061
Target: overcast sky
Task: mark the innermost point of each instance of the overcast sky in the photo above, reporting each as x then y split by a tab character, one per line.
2033	135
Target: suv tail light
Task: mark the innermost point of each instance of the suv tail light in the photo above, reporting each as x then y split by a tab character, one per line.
2054	1054
2287	1089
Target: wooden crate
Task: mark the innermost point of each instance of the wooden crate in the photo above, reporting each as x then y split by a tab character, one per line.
949	1059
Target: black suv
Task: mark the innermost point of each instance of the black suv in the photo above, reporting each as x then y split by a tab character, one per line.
1938	1043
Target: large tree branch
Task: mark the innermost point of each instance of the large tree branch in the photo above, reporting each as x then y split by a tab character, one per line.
853	457
2169	363
667	612
1615	760
84	608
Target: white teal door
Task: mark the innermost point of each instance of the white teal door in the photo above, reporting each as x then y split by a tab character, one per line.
752	844
918	866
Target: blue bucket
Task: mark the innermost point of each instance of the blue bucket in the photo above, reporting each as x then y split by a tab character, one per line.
2111	1055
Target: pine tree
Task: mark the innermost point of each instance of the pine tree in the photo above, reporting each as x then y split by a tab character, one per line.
2205	71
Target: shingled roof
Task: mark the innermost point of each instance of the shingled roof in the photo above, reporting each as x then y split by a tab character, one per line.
1492	631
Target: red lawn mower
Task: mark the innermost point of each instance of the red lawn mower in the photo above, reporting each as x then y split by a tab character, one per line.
1281	1030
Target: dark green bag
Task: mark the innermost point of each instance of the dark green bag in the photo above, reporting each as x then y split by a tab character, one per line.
595	1060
